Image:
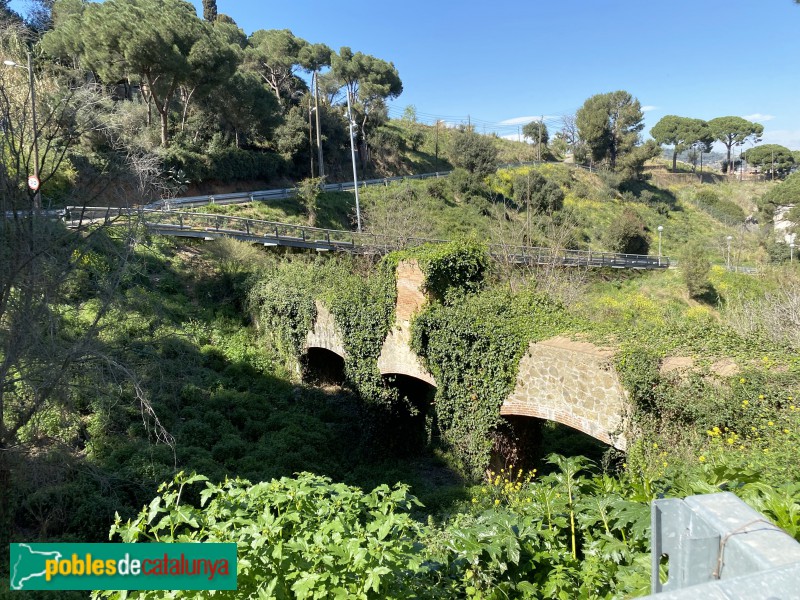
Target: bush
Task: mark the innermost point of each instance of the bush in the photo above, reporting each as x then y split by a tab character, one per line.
628	234
223	164
473	152
543	195
465	185
696	267
719	208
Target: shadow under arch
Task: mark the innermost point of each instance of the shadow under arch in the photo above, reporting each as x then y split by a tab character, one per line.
320	366
410	422
525	442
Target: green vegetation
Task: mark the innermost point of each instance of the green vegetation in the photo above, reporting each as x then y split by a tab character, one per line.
225	395
695	267
734	131
609	124
128	361
783	194
682	133
773	159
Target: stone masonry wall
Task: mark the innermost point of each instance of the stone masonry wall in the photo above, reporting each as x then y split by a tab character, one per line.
396	355
559	380
325	334
572	383
410	293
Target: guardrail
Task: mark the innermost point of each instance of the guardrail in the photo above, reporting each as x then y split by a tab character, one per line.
284	193
273	233
277	194
715	546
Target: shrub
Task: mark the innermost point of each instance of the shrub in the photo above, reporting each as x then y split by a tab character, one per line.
465	185
719	208
473	152
540	193
696	267
628	234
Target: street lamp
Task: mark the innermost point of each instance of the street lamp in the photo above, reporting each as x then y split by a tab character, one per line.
353	155
660	229
37	196
729	238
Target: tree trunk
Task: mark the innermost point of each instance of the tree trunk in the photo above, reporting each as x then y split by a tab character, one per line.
186	108
164	129
675	159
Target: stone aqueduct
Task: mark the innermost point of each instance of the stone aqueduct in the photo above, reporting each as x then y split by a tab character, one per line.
572	383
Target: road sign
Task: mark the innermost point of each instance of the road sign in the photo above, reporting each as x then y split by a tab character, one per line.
33	182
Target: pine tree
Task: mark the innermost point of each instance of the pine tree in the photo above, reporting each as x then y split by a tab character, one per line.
210	10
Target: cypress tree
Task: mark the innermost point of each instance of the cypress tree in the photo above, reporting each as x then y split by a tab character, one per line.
210	10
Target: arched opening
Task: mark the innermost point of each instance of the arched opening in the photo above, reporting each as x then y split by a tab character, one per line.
525	442
320	366
409	422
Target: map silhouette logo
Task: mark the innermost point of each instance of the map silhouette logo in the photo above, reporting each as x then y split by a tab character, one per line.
27	563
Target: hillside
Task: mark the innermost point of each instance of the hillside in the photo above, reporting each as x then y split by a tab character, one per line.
199	369
462	206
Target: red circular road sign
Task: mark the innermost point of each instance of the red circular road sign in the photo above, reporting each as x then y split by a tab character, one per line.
33	182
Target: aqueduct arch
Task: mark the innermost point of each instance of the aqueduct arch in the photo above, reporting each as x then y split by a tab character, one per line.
572	383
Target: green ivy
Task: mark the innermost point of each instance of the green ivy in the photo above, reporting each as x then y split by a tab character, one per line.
456	265
283	302
363	309
360	297
473	346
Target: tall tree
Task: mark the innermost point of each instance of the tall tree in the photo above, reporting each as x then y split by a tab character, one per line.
275	55
771	158
40	14
369	81
610	125
681	133
735	131
44	354
8	15
161	42
244	108
64	42
210	10
536	131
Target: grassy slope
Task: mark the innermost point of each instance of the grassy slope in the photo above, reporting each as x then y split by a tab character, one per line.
593	204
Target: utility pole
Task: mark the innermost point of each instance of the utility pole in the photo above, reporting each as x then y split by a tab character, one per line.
729	238
319	129
541	121
37	197
37	191
353	155
310	138
741	164
772	154
436	144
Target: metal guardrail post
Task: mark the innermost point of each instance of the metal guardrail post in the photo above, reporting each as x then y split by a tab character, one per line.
715	546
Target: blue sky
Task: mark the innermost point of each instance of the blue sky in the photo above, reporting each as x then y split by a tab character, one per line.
504	62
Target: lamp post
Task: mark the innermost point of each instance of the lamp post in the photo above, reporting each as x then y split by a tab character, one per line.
315	82
353	155
37	196
660	229
729	238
